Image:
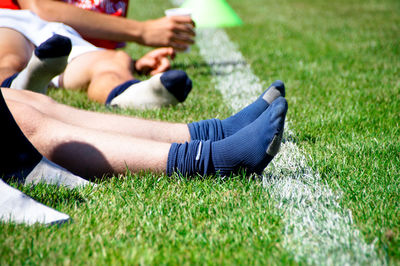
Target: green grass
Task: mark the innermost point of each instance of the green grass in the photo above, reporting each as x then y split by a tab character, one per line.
152	219
340	62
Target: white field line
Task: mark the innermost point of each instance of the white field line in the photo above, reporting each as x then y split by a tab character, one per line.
317	230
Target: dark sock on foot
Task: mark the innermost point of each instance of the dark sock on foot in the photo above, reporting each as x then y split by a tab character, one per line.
250	149
163	89
177	83
215	129
49	60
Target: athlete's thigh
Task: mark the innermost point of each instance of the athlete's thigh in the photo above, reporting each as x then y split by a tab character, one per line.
80	71
37	100
15	49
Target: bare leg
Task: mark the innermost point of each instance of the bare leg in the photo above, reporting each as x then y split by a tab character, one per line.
135	127
107	77
15	52
88	152
98	72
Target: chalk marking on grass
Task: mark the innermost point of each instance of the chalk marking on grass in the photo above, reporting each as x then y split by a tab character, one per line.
317	230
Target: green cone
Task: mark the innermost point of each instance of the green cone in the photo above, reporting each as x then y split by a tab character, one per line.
212	13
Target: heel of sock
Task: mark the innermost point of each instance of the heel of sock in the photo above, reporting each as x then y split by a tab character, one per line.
275	144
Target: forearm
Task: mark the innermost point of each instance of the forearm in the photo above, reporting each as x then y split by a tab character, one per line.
95	25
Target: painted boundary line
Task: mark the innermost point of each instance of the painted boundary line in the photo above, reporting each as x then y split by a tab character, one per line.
317	230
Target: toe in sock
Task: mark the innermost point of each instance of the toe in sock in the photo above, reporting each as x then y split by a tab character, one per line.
251	148
177	83
56	46
215	129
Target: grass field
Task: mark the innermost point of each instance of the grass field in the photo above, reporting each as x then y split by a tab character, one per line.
340	62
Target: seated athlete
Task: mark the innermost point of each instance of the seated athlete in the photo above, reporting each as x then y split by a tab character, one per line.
111	144
105	74
94	144
91	144
107	143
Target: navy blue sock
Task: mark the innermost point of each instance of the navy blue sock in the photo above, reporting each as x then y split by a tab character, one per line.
177	83
250	149
18	156
215	129
120	89
190	158
55	46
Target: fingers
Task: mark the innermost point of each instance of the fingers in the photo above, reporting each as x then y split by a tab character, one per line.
183	32
145	65
163	65
164	52
155	61
183	20
183	25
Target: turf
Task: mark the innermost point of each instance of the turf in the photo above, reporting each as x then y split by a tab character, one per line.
340	62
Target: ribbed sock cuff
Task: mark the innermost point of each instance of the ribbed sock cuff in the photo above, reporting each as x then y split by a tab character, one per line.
206	130
120	89
190	158
7	82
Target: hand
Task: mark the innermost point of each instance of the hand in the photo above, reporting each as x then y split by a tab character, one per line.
176	32
155	62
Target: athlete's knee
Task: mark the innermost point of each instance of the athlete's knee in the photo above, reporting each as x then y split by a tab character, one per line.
124	59
116	61
28	118
34	99
16	62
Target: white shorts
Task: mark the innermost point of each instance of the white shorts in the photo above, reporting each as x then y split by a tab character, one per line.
37	31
